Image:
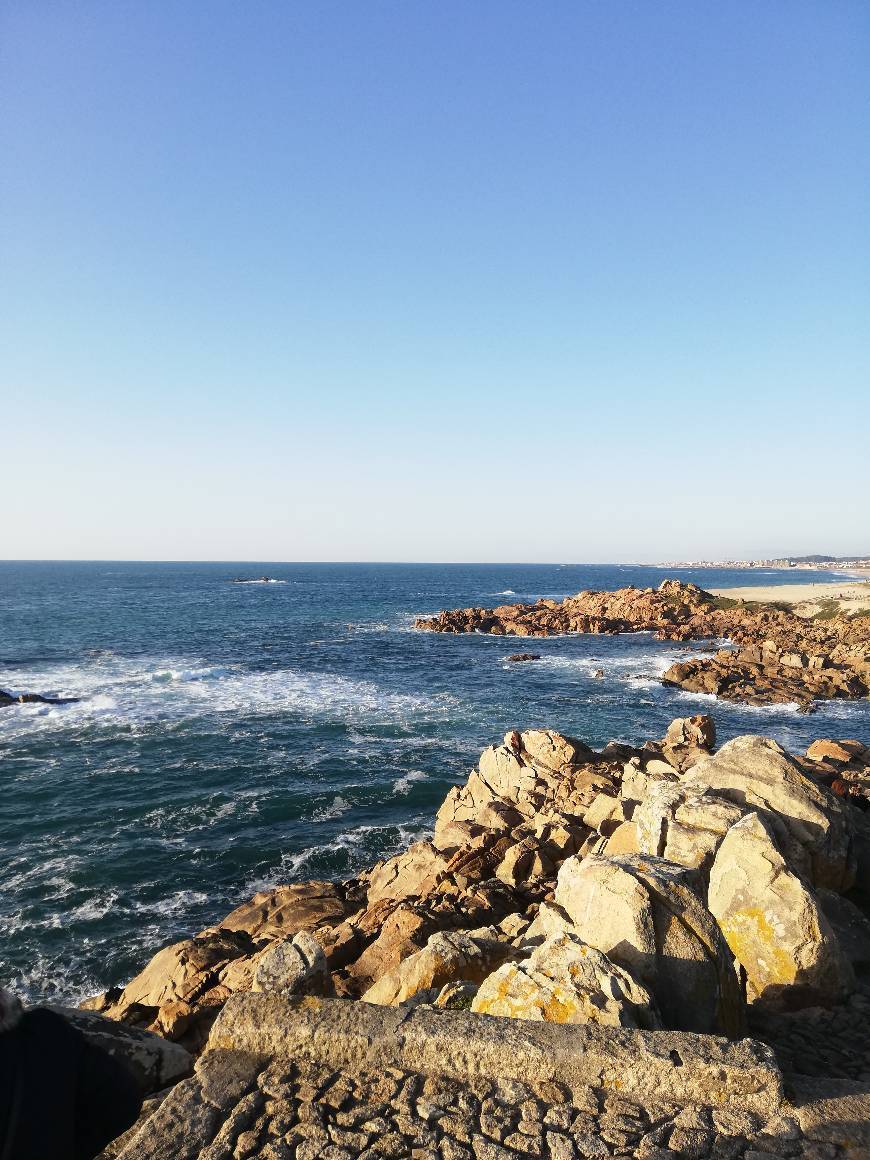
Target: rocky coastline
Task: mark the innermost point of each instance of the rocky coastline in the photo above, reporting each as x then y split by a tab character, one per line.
673	889
775	656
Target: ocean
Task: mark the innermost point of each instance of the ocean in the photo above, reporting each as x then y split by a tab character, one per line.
231	737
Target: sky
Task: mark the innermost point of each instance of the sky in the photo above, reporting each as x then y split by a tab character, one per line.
437	281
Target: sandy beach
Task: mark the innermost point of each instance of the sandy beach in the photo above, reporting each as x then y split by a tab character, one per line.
807	599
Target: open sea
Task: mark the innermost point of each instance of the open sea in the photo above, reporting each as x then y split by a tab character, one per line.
231	737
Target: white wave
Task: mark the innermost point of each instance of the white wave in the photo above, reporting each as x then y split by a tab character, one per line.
262	580
402	785
507	592
335	809
117	692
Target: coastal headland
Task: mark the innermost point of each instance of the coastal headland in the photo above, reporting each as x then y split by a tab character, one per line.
776	652
569	967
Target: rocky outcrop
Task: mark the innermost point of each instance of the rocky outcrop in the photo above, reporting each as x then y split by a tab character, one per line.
629	887
812	830
295	966
779	656
448	957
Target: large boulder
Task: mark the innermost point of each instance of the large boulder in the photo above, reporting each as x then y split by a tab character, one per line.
567	981
188	971
644	914
688	739
683	825
448	957
773	922
811	825
295	966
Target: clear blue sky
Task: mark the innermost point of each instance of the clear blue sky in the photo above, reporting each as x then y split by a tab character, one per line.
434	280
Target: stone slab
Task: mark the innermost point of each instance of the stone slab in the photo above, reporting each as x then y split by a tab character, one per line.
353	1035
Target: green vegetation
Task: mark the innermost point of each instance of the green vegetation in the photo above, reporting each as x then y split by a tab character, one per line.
830	609
726	602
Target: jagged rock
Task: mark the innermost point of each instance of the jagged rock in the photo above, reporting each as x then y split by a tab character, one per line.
844	751
688	739
772	922
567	981
812	827
448	957
402	931
643	914
683	825
295	966
284	911
518	658
411	874
188	972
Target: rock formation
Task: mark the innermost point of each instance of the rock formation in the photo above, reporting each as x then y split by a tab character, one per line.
779	656
657	890
630	886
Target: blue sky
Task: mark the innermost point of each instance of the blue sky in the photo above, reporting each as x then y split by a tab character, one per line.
434	281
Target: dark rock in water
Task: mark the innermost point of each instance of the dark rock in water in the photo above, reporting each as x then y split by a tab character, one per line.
34	699
598	674
517	657
253	580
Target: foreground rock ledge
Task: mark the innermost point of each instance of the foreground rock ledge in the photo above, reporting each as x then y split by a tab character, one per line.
354	1035
780	657
313	1078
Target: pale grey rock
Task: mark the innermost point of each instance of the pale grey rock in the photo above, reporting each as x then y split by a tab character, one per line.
567	981
812	826
644	914
773	923
294	966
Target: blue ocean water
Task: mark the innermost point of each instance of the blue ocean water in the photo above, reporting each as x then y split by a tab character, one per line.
235	736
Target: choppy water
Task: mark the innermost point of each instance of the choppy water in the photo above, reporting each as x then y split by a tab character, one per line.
234	736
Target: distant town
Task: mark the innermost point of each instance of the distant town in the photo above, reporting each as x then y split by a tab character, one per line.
834	563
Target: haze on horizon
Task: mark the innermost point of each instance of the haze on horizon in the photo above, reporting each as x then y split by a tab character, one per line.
393	281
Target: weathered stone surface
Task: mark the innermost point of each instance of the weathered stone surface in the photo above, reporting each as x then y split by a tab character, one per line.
284	911
643	913
187	972
410	874
448	957
688	739
683	825
811	825
154	1061
772	922
345	1034
843	751
294	966
567	981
